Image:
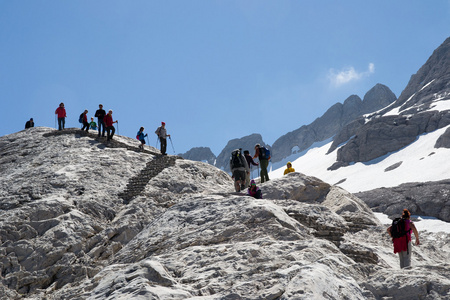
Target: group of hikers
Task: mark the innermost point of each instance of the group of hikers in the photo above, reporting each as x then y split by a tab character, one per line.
105	126
105	121
240	169
400	231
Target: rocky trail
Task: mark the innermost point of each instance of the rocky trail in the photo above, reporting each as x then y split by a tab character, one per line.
83	220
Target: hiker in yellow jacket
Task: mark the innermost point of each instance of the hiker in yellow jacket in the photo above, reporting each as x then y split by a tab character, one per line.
289	168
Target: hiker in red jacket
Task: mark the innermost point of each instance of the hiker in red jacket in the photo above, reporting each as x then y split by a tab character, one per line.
61	112
402	245
109	125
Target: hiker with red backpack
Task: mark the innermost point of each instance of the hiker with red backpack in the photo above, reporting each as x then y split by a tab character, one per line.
400	231
141	137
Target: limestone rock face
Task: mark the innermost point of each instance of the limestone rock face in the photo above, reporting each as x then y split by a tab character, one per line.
399	124
429	198
335	119
81	219
200	154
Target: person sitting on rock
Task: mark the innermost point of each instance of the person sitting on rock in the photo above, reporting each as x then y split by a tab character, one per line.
92	124
29	124
254	191
289	168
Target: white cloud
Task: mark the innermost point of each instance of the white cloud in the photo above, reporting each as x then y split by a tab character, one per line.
338	78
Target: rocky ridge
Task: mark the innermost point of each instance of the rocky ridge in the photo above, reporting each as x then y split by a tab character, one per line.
77	224
333	121
399	124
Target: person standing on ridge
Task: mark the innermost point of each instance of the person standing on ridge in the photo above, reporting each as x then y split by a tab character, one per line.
264	157
161	132
141	137
61	112
108	119
29	124
289	168
100	115
400	231
238	168
85	120
250	162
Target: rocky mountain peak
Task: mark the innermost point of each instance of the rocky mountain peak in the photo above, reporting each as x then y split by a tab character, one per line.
399	124
430	82
376	98
200	154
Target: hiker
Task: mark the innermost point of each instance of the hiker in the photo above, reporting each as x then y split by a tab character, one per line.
250	162
100	115
92	124
400	231
141	137
238	168
263	155
61	112
289	168
254	191
161	132
83	118
29	124
108	119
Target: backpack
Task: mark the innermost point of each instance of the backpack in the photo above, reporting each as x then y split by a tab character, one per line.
81	118
398	228
264	153
138	134
236	161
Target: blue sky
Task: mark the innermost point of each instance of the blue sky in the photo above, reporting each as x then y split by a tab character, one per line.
212	70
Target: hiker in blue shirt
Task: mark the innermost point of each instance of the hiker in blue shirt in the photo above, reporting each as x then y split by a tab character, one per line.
141	137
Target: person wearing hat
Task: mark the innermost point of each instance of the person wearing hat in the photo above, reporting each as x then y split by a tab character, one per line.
161	132
289	168
29	124
110	130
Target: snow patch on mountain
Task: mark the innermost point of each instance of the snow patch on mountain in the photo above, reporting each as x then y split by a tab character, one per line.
421	162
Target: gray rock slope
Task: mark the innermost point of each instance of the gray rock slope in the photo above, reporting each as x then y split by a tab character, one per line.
422	198
83	220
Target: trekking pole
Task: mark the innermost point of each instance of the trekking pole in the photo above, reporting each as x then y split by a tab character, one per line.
117	127
172	144
259	166
157	140
55	122
148	140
